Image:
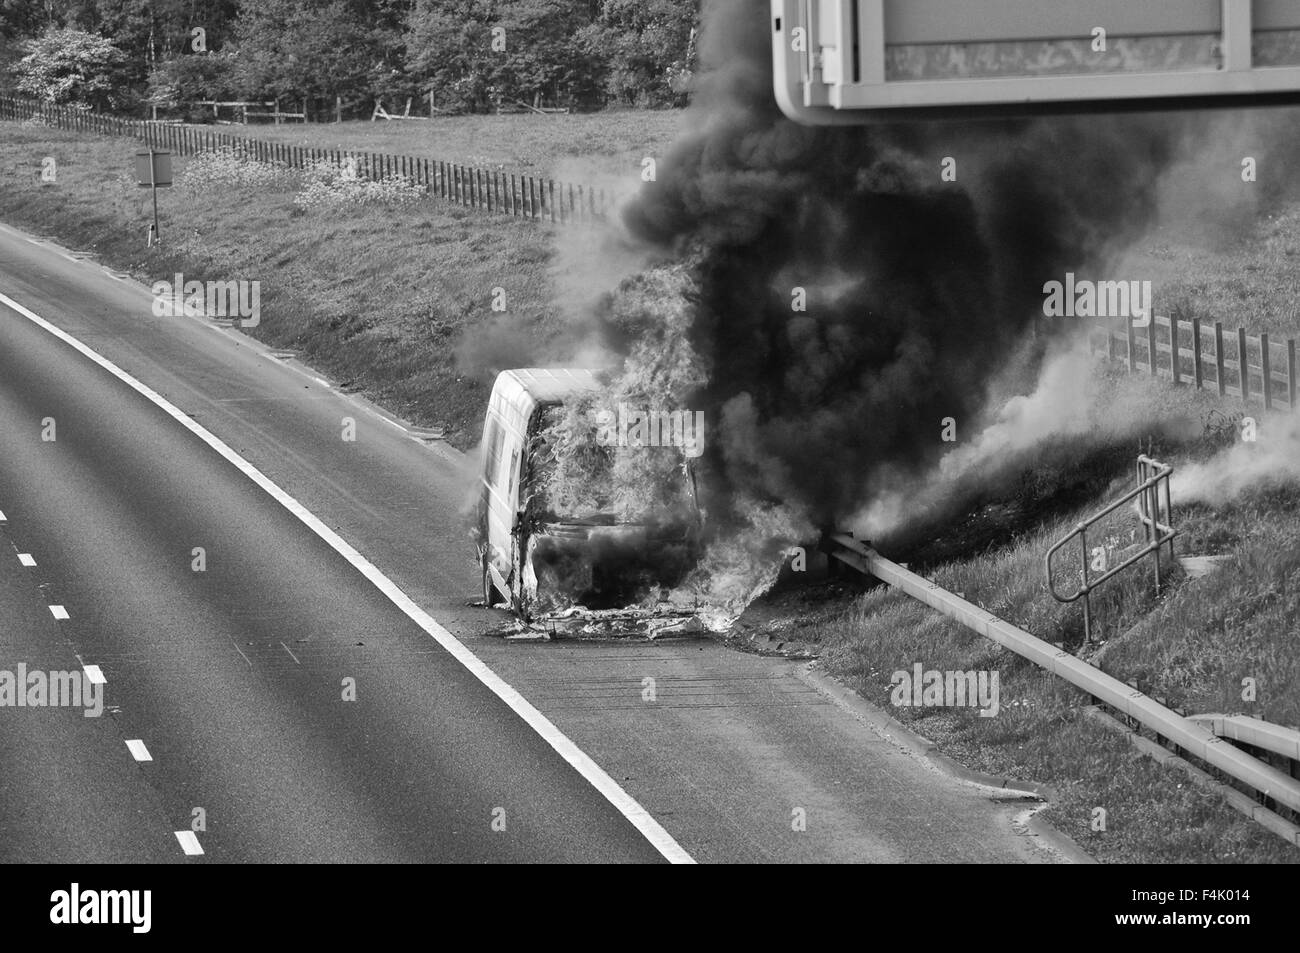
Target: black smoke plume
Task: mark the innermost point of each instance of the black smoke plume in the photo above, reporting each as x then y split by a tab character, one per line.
918	290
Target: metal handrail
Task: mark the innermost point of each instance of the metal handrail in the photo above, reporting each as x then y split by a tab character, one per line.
1151	474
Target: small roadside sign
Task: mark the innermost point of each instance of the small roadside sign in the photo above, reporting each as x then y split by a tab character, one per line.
153	169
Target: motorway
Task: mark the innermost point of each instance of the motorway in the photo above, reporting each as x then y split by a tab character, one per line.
235	679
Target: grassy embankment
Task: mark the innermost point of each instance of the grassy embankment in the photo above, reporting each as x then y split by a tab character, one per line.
1192	645
379	297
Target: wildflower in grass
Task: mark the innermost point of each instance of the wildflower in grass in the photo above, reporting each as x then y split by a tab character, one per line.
232	165
327	182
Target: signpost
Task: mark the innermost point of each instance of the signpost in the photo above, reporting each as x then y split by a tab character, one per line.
153	170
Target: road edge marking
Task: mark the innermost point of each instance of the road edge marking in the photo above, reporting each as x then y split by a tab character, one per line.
578	759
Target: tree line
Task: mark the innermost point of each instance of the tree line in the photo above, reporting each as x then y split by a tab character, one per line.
471	55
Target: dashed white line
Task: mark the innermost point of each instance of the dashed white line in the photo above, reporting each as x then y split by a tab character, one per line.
291	655
3	518
26	559
59	612
95	674
138	750
189	843
578	759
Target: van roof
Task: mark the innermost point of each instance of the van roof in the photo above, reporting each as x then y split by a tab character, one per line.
545	385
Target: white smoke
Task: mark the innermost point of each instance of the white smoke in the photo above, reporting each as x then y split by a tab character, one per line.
1272	457
1064	402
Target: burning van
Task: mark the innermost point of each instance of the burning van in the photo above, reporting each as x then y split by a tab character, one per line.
569	519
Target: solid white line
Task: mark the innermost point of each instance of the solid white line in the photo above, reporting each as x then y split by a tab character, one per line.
59	612
189	843
623	802
26	559
94	674
138	750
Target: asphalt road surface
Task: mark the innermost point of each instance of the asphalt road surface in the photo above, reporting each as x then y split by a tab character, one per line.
236	678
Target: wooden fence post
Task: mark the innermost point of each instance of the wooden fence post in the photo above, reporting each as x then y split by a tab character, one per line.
1175	358
1290	372
1151	343
1131	335
1197	370
1266	369
1218	357
1243	365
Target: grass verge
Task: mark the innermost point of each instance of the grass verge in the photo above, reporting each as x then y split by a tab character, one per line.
379	297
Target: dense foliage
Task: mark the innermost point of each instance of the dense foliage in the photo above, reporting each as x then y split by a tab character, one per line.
471	55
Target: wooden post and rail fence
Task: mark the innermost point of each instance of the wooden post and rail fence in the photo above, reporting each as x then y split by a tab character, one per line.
1251	367
490	190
